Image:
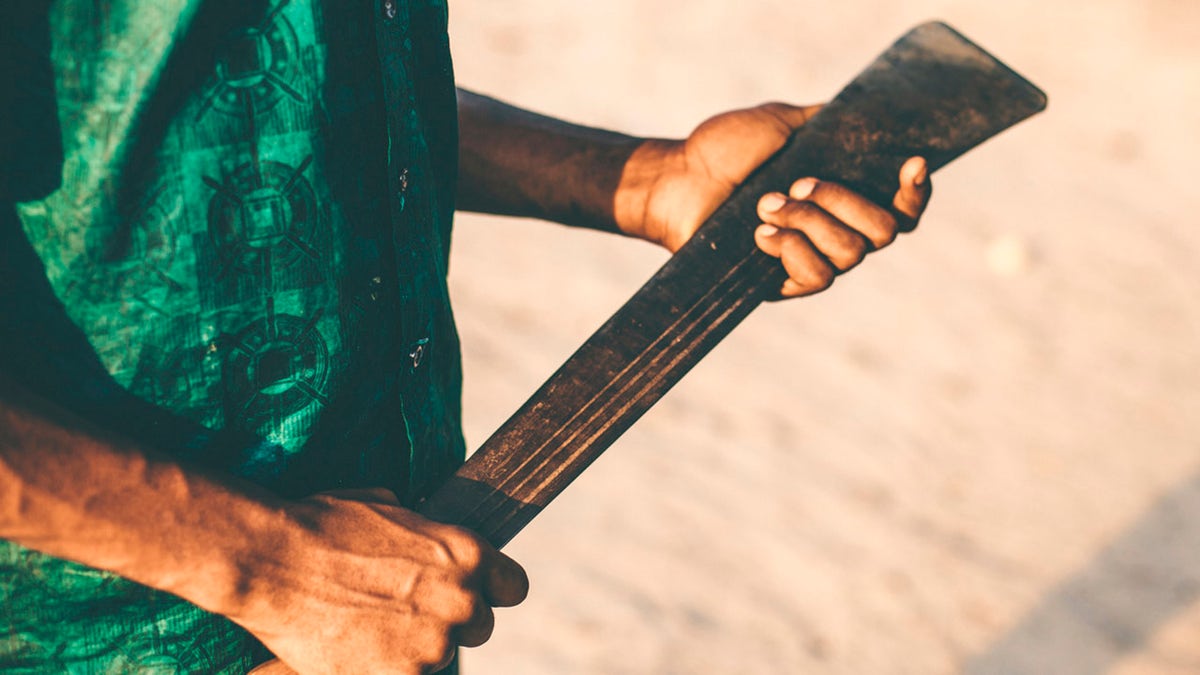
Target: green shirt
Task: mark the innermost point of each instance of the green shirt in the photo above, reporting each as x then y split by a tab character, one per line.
244	266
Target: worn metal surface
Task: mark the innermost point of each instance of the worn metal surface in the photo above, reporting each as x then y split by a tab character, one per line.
933	93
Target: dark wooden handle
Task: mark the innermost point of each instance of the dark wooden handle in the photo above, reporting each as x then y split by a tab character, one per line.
933	94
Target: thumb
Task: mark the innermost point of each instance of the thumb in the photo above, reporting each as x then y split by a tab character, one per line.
733	144
793	116
374	495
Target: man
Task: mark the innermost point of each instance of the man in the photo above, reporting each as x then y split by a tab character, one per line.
236	299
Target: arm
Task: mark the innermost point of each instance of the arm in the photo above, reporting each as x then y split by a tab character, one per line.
515	162
330	583
77	493
518	163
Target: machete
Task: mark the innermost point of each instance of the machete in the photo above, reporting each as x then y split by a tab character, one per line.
933	93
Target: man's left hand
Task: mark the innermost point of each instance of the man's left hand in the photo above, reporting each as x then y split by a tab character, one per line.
819	229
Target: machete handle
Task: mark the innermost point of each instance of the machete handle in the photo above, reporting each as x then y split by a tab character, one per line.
933	93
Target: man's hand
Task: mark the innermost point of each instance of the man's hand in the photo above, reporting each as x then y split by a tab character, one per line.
369	587
337	583
519	163
819	229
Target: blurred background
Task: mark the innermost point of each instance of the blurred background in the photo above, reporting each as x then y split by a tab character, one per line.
978	453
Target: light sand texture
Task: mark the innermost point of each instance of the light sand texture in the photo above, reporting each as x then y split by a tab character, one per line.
978	453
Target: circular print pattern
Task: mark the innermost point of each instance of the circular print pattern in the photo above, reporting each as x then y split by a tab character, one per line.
162	654
275	367
264	216
257	68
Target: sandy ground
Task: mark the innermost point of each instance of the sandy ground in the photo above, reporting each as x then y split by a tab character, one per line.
976	454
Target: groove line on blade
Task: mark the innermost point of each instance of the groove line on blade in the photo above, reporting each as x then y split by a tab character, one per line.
616	390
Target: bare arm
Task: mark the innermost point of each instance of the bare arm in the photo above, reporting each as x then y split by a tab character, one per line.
515	162
520	163
328	583
77	493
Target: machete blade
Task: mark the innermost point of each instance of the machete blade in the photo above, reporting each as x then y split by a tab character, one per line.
933	93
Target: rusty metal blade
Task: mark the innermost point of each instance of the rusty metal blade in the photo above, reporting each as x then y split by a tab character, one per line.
933	93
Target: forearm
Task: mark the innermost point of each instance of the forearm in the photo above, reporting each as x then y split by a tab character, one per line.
75	492
519	163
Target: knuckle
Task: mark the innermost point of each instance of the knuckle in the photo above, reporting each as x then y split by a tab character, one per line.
813	278
772	108
821	277
886	232
382	494
464	608
322	501
459	548
806	209
468	552
851	259
854	249
797	215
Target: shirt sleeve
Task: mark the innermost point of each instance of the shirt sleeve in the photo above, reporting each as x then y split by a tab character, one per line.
31	152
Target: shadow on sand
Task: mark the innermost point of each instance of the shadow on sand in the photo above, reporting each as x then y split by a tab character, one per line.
1114	605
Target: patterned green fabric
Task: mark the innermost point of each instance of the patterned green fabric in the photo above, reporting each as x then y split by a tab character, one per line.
246	266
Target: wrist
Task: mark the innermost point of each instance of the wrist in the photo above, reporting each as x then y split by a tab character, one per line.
256	576
650	164
95	498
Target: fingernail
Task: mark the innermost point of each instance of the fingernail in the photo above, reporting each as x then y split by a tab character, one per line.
803	188
922	175
772	202
766	230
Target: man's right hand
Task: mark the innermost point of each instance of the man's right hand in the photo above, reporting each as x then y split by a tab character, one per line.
364	585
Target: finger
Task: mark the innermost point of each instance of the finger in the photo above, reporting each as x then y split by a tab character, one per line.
862	215
476	631
272	667
792	289
444	654
808	271
374	495
913	195
505	583
793	116
837	242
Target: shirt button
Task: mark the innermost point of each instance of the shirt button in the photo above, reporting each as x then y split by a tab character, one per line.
389	9
402	189
418	352
402	181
